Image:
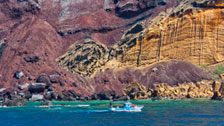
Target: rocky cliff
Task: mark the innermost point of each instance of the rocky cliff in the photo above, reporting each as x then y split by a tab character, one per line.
86	49
192	31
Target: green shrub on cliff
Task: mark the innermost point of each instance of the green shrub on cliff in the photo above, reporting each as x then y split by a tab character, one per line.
220	69
203	66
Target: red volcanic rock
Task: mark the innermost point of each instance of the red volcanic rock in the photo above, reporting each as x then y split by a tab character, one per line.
32	59
172	72
54	78
37	87
47	28
44	78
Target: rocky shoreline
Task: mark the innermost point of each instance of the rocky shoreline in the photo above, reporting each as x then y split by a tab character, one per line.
134	91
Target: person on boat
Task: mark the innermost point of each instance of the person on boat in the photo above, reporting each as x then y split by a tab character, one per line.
133	105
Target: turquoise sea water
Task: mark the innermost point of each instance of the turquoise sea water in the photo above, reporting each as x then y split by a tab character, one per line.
170	112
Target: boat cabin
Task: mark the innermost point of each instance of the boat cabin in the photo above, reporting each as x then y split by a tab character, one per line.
127	105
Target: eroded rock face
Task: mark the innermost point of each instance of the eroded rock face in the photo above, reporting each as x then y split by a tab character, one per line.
202	89
136	91
218	91
84	58
189	32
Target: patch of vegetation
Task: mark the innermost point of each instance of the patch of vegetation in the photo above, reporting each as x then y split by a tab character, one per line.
203	66
215	77
220	69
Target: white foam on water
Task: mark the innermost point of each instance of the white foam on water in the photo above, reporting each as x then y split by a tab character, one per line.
82	105
90	111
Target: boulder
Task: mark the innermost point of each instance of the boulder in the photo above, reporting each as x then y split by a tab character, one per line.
3	45
60	97
83	98
122	98
50	95
94	97
50	89
44	78
36	97
136	91
61	83
21	87
14	101
2	89
74	84
66	95
37	87
18	74
69	95
54	78
27	95
106	95
32	59
46	103
21	94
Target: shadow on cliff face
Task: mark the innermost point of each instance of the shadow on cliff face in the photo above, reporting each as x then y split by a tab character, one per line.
133	9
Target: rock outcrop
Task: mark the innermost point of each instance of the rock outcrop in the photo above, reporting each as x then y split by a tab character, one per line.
10	99
84	58
202	89
218	89
136	91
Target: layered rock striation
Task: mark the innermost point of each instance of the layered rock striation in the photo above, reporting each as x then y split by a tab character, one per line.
192	32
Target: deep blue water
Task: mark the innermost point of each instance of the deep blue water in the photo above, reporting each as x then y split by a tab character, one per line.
180	112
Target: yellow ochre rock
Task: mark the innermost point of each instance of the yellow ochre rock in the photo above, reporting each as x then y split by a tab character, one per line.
190	35
201	89
136	91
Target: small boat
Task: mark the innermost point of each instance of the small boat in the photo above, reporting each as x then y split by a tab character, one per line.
128	107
